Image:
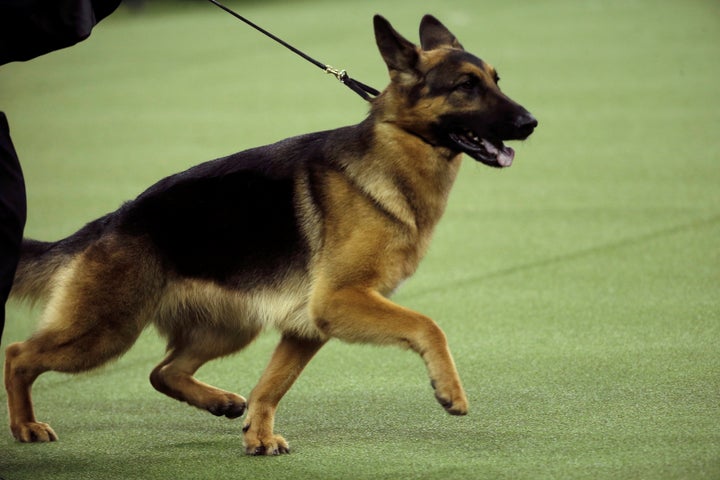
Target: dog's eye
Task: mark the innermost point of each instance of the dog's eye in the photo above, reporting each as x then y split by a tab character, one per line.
469	84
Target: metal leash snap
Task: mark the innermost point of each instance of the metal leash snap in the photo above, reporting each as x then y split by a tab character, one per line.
339	74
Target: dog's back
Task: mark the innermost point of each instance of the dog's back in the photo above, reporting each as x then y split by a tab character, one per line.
238	221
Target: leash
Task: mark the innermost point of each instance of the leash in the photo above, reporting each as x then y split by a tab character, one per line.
360	88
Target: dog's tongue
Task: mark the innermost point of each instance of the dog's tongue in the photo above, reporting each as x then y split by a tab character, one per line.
503	154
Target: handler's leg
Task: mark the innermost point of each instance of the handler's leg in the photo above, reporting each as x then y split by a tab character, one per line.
12	214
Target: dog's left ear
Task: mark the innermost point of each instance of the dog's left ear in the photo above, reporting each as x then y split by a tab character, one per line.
400	55
434	34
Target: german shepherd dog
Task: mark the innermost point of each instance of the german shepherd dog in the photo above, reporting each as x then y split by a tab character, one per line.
310	235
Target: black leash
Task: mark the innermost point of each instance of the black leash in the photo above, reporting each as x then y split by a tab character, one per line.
360	88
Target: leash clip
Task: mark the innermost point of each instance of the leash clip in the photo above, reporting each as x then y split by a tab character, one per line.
360	88
339	74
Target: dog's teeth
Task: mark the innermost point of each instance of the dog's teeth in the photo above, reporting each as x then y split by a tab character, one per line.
490	147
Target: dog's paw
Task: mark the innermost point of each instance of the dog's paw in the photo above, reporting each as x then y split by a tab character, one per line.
277	446
452	399
33	432
227	404
264	445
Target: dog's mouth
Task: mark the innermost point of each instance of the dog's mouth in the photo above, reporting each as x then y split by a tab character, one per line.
491	152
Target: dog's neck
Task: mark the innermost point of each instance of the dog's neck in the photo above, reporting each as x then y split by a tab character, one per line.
392	107
408	176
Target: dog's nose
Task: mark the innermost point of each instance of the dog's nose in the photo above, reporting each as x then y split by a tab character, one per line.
526	123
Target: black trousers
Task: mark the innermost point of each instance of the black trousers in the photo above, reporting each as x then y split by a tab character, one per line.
13	211
29	28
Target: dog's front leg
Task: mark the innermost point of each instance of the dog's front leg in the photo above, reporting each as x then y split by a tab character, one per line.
364	315
290	357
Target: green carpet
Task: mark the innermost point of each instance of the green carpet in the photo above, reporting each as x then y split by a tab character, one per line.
579	289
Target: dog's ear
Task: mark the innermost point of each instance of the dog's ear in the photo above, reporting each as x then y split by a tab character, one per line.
434	34
400	55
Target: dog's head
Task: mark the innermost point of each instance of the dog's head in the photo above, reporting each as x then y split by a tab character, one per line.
447	96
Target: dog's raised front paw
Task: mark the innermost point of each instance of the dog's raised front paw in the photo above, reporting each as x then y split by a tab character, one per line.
453	400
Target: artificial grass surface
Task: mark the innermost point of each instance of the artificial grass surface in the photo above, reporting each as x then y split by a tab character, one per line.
578	289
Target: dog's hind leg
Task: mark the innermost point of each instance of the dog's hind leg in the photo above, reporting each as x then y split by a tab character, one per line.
286	364
95	315
187	352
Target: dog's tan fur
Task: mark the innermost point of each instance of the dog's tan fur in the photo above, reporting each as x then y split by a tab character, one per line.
365	219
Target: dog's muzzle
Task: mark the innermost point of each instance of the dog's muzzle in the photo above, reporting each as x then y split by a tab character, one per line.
489	148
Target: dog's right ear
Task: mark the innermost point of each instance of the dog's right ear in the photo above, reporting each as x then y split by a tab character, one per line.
400	55
434	34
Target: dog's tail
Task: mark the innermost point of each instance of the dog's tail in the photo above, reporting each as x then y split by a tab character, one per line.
42	264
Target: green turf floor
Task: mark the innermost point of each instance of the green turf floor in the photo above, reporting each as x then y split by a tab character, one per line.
579	289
